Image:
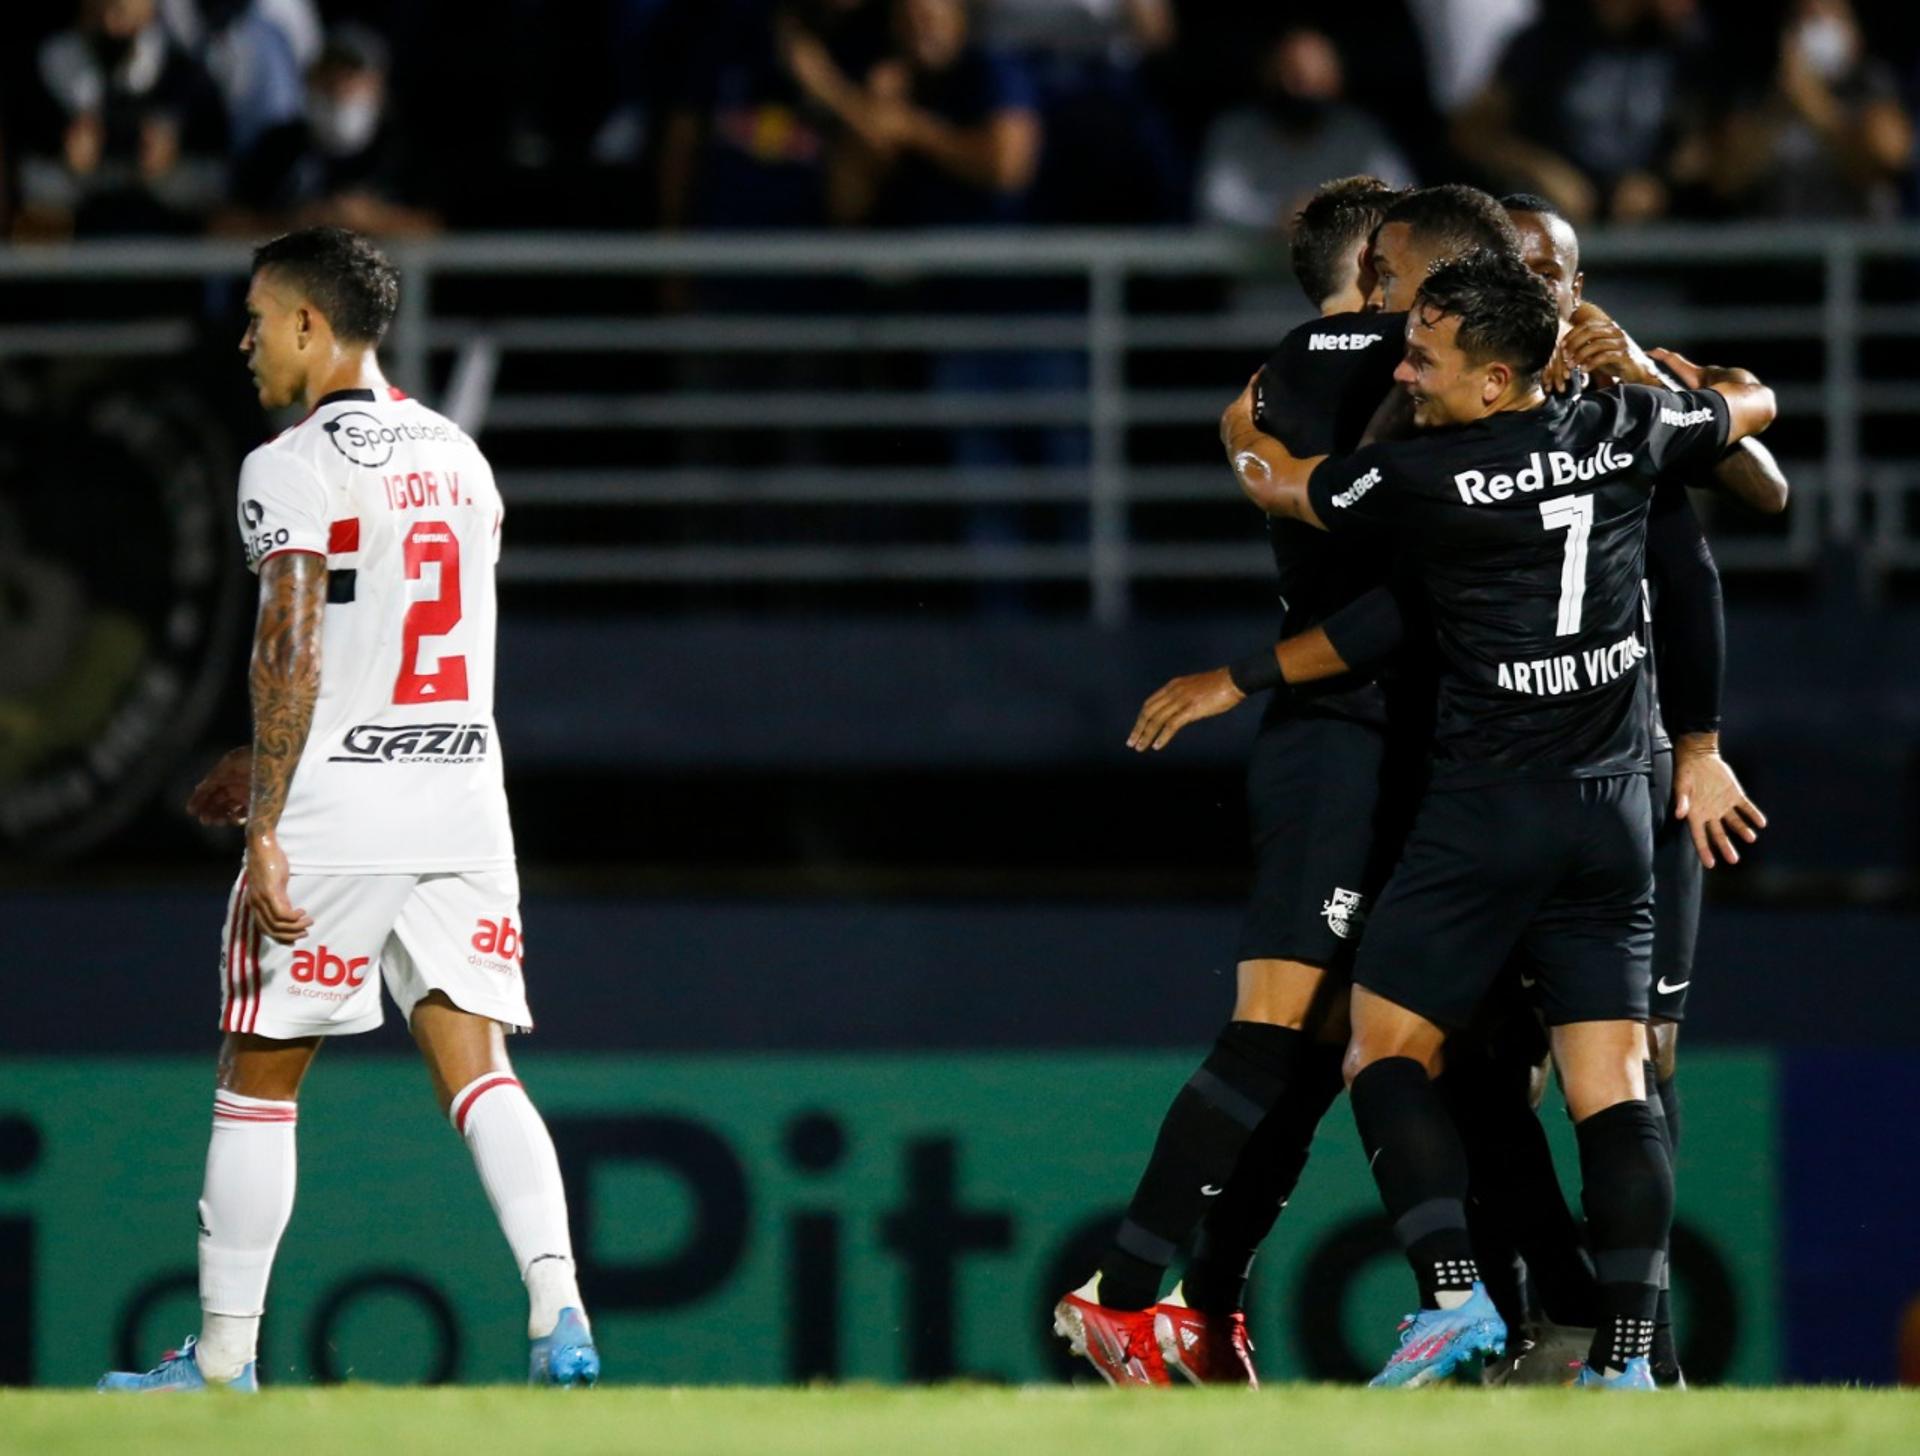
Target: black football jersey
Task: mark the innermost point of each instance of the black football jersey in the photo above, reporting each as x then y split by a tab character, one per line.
1316	396
1527	531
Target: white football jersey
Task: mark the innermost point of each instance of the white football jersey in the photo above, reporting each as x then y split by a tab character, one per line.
402	770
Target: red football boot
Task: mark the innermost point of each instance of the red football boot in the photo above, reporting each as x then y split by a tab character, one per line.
1117	1342
1208	1349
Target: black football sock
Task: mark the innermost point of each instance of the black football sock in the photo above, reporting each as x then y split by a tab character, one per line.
1264	1179
1627	1187
1666	1350
1669	1093
1517	1207
1195	1155
1421	1170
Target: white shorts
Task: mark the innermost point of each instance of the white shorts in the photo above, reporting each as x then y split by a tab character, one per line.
460	934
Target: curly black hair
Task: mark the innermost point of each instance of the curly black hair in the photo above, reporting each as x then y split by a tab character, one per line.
342	274
1339	216
1458	217
1505	312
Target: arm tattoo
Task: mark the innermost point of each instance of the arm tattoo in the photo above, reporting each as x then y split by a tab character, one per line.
284	678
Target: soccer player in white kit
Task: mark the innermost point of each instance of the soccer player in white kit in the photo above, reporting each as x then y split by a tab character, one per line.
378	843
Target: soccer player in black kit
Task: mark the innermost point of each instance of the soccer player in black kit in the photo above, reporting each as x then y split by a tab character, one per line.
1235	1140
1525	518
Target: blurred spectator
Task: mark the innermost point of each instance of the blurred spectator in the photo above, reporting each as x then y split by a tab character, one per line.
1826	135
943	135
1463	41
1595	106
127	132
1262	162
340	162
1110	156
256	51
746	144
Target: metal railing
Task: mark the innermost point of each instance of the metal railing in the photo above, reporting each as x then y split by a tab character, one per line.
637	402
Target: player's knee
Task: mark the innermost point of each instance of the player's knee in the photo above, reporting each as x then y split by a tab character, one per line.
1663	1040
1278	993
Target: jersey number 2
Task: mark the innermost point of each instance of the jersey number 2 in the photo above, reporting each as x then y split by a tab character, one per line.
1574	515
433	616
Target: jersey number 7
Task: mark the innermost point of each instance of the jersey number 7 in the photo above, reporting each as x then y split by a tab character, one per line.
433	616
1574	515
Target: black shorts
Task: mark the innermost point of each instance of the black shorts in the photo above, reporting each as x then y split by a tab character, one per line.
1554	876
1677	883
1328	809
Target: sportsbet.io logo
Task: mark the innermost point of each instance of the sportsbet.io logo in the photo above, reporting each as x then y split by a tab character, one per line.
413	743
368	441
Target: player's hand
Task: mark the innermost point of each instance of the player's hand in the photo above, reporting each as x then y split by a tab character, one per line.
267	898
1601	347
1708	796
1184	700
1690	374
220	798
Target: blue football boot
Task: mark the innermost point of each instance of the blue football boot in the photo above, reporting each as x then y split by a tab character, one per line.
177	1372
566	1357
1637	1376
1436	1342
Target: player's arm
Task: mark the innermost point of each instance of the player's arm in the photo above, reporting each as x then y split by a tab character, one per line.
1691	626
1362	634
1269	476
284	684
1748	472
1751	475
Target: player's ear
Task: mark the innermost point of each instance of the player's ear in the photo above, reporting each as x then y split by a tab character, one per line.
1494	382
1579	288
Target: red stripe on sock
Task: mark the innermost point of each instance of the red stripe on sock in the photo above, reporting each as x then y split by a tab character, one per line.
463	1104
227	1112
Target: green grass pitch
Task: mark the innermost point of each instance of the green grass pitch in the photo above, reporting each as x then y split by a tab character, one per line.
1321	1420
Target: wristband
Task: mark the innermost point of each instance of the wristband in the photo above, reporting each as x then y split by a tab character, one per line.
1257	672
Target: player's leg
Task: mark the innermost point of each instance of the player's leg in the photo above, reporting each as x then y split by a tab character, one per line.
1678	884
1201	1328
246	1196
1208	1125
278	1003
1312	786
1493	1081
1472	874
1269	1169
1593	944
459	1005
1626	1186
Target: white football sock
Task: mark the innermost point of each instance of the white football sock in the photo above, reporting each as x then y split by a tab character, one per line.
518	1168
244	1206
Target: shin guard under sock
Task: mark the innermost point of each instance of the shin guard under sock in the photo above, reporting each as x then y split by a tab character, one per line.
1627	1187
1194	1157
1421	1170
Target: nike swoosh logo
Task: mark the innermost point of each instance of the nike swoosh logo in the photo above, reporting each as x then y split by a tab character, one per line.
1207	1190
1666	990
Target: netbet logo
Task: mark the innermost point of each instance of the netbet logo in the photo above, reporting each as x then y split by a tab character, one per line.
1343	343
1682	418
1555	468
413	743
1359	488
